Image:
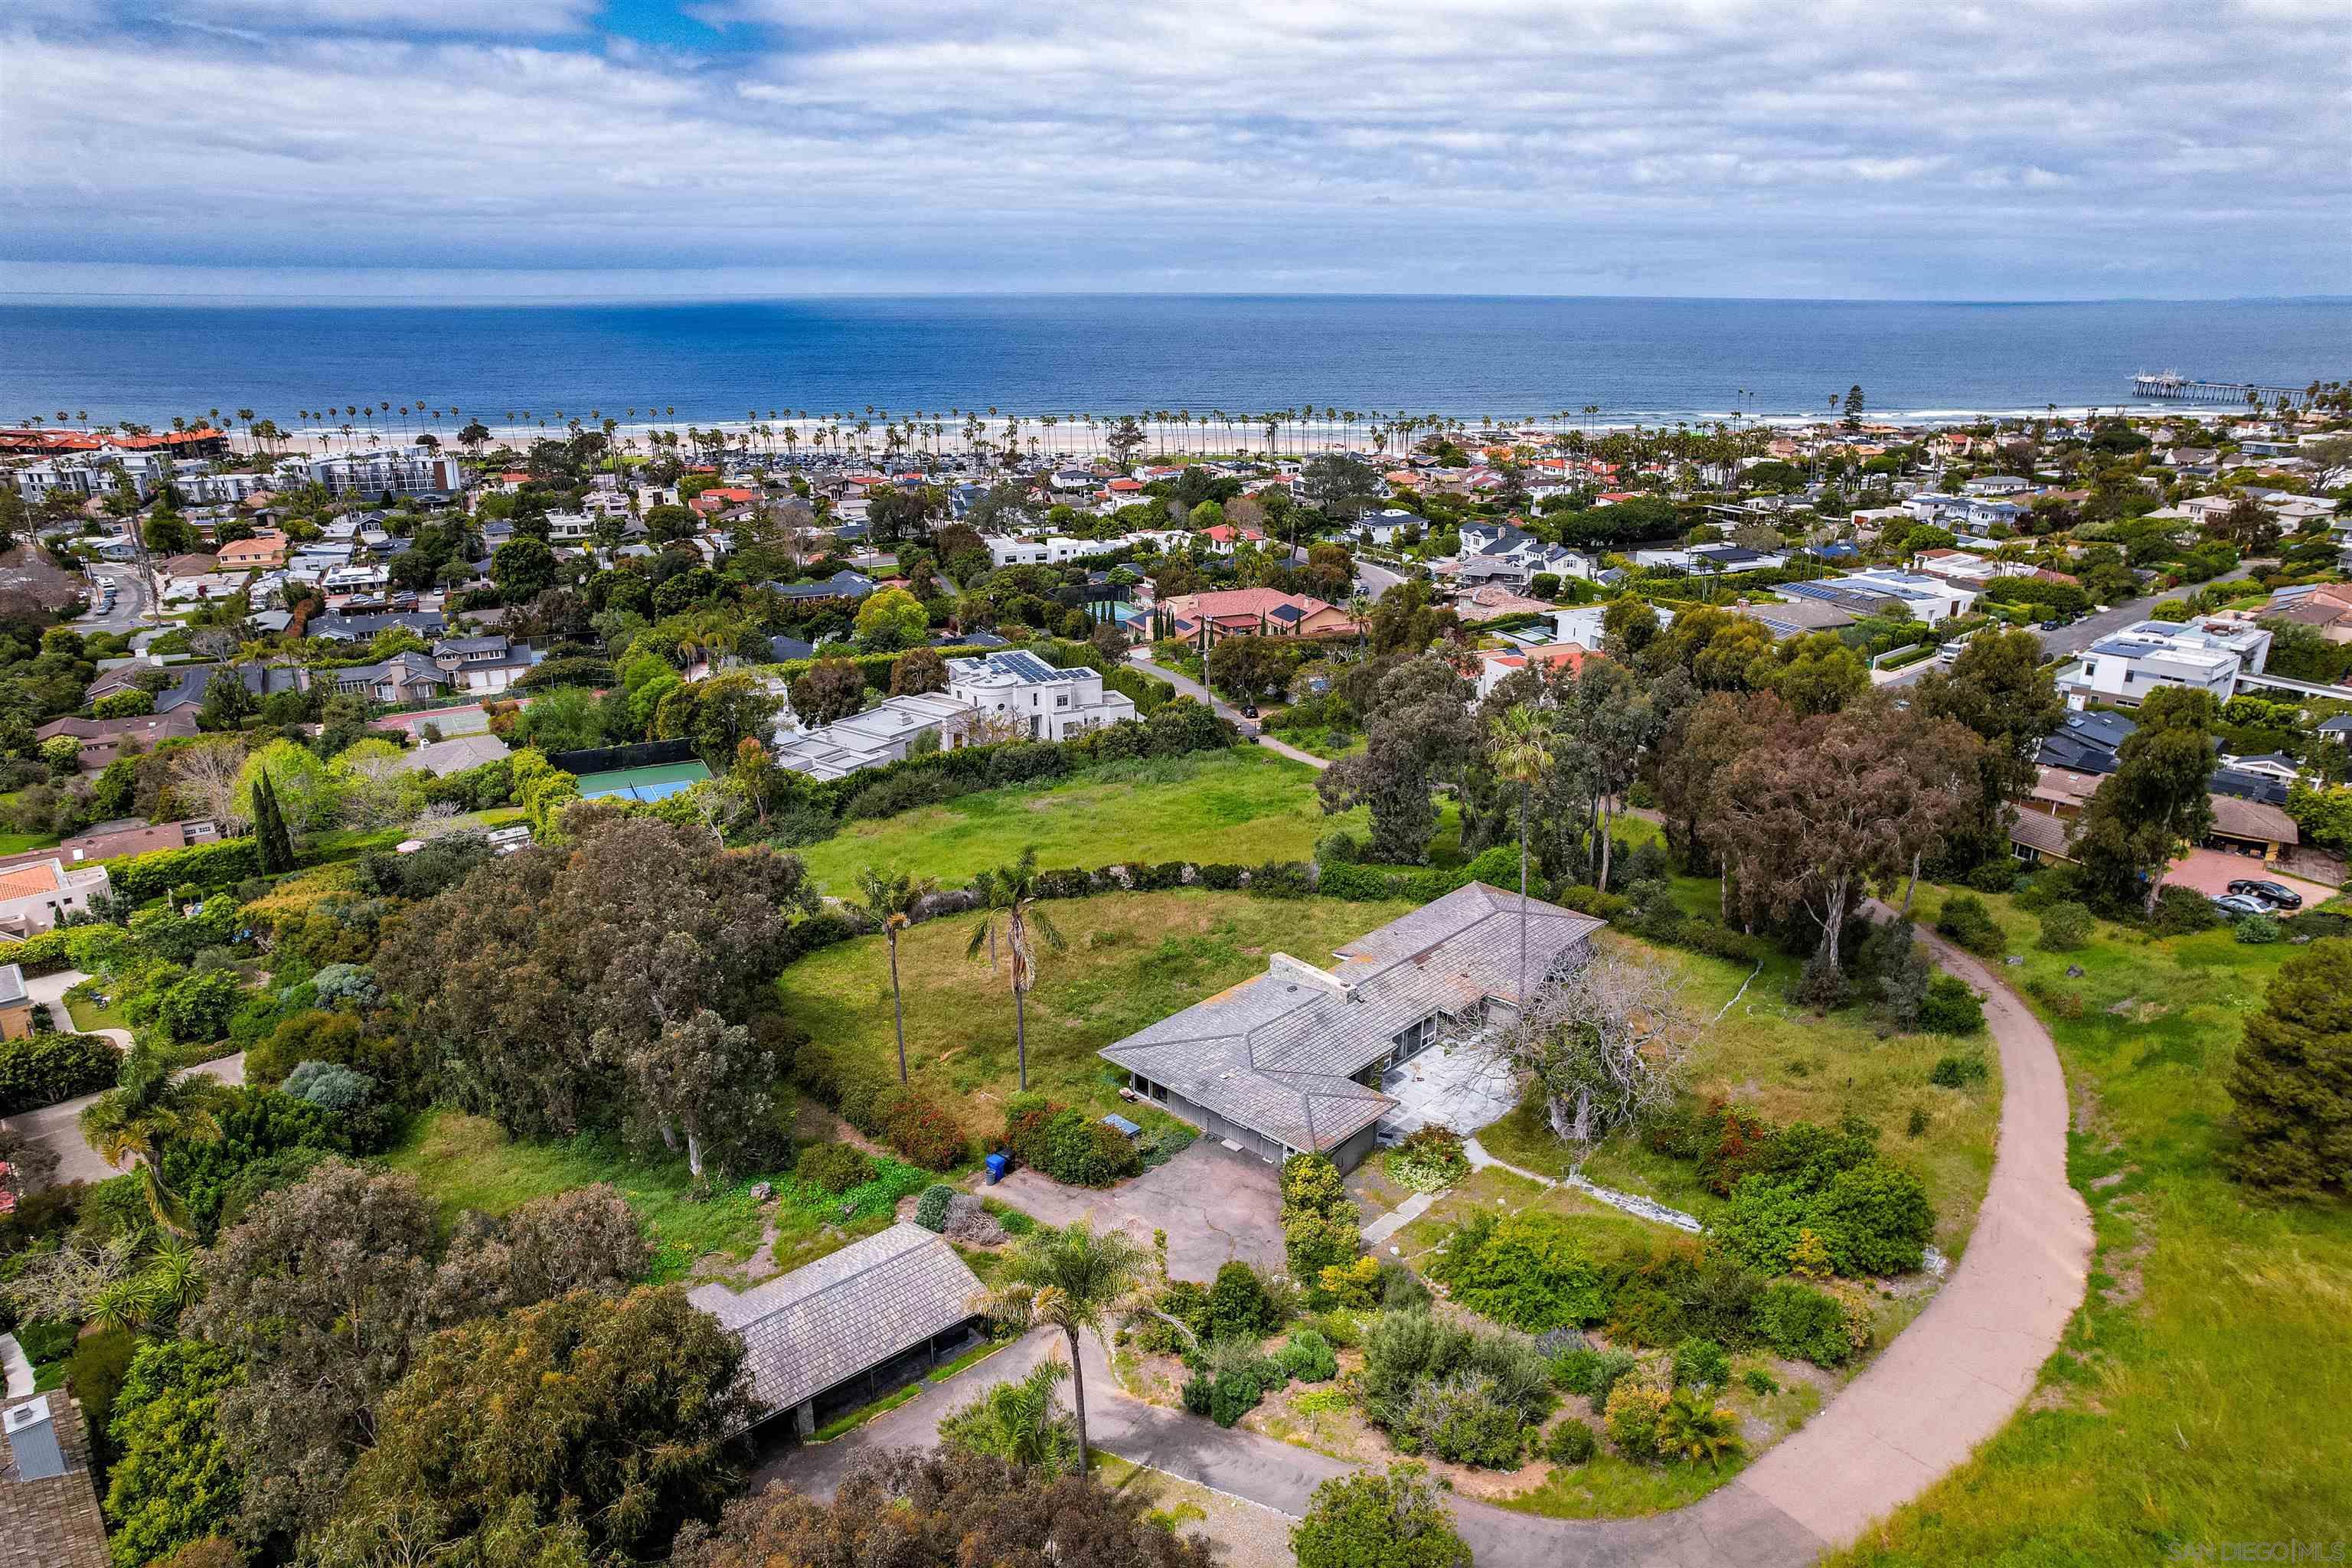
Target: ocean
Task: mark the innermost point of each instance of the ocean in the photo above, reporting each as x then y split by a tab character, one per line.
1652	360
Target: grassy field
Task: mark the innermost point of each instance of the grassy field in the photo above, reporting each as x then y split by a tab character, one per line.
1791	1064
1131	959
88	1016
19	842
468	1162
1244	805
2202	1401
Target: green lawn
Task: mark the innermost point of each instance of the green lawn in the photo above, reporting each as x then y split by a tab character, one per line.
89	1017
1792	1064
468	1162
2203	1394
19	842
1244	805
1131	960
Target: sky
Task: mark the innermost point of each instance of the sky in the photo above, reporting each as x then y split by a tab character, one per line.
504	149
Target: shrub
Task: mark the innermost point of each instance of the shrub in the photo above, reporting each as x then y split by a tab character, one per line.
1429	1160
1357	1285
1084	1153
1571	1443
1803	1324
1951	1008
1397	1520
1701	1363
2258	930
1635	1411
1994	877
1462	1417
1318	1218
1875	1220
331	1086
197	1009
1690	1429
1307	1356
1531	1271
932	1208
2066	927
2183	912
42	1069
1960	1071
835	1167
1239	1307
925	1132
1967	921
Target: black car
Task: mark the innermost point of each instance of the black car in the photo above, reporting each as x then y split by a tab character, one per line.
2270	893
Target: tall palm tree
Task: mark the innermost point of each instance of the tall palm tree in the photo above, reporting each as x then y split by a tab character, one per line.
149	1108
1522	755
889	899
1072	1279
1009	895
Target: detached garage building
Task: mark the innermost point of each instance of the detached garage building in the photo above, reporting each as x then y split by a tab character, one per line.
1293	1060
849	1328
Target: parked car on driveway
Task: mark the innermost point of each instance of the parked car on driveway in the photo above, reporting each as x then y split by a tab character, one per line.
2270	893
2237	904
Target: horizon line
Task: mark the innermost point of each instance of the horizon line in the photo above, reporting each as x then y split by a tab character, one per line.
300	300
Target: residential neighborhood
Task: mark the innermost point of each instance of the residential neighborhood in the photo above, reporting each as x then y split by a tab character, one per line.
1510	947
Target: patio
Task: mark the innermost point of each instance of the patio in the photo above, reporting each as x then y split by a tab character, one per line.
1460	1086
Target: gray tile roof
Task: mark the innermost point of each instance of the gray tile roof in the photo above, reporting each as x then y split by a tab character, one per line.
1279	1052
824	1324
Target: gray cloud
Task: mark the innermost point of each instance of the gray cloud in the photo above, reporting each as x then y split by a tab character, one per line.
2080	147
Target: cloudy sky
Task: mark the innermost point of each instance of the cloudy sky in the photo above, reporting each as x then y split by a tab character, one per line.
484	148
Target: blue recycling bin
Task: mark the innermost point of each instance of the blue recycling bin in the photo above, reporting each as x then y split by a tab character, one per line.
997	1165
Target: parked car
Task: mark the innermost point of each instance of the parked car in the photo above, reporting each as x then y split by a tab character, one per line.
2237	904
2270	893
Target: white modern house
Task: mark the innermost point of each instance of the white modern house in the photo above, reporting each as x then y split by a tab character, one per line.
2123	667
1054	704
399	471
884	733
1930	599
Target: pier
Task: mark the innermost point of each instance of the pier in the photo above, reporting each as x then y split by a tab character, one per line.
2177	388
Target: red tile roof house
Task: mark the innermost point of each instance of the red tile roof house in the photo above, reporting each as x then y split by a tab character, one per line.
1256	612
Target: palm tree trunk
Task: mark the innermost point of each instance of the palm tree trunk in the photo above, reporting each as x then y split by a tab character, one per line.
1523	897
1021	1033
897	1009
1078	1398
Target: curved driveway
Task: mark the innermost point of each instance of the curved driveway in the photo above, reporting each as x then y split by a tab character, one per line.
1948	1382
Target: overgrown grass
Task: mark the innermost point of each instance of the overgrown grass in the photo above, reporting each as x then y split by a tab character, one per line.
468	1163
1131	959
2203	1394
18	843
1244	805
1791	1064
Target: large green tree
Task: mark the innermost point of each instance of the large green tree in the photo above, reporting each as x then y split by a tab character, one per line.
1371	1521
1420	734
590	1417
1999	690
2155	806
1075	1279
2293	1081
175	1481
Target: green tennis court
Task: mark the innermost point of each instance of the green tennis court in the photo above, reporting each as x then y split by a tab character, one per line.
643	784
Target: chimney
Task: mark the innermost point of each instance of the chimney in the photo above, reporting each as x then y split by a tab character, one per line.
32	1436
1297	970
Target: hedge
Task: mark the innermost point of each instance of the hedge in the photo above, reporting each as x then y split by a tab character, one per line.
42	1069
43	954
140	878
1177	728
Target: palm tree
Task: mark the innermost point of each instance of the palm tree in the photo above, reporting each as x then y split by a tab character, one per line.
1070	1280
1689	1428
1019	1422
149	1108
889	899
1011	893
1521	755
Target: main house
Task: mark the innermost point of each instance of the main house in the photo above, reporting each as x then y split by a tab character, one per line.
1296	1059
1020	689
1254	612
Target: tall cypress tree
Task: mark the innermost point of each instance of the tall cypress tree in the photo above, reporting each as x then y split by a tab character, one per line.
2293	1081
275	842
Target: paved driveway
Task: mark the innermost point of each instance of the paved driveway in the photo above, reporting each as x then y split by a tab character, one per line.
2211	871
1214	1203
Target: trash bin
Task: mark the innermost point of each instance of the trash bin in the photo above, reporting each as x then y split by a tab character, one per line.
997	1165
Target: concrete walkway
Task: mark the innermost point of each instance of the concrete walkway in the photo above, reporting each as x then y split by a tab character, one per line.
1250	728
49	991
1948	1383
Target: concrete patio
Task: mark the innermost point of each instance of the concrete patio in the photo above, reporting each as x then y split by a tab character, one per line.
1214	1203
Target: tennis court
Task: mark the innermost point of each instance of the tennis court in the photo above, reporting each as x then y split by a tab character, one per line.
643	784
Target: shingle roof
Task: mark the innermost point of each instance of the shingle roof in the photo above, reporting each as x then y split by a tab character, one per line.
1278	1053
824	1324
2039	830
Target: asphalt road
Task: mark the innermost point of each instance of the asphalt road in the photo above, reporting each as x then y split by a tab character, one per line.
1375	578
131	595
2074	638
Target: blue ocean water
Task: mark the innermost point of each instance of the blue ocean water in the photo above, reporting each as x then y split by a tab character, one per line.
1649	360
